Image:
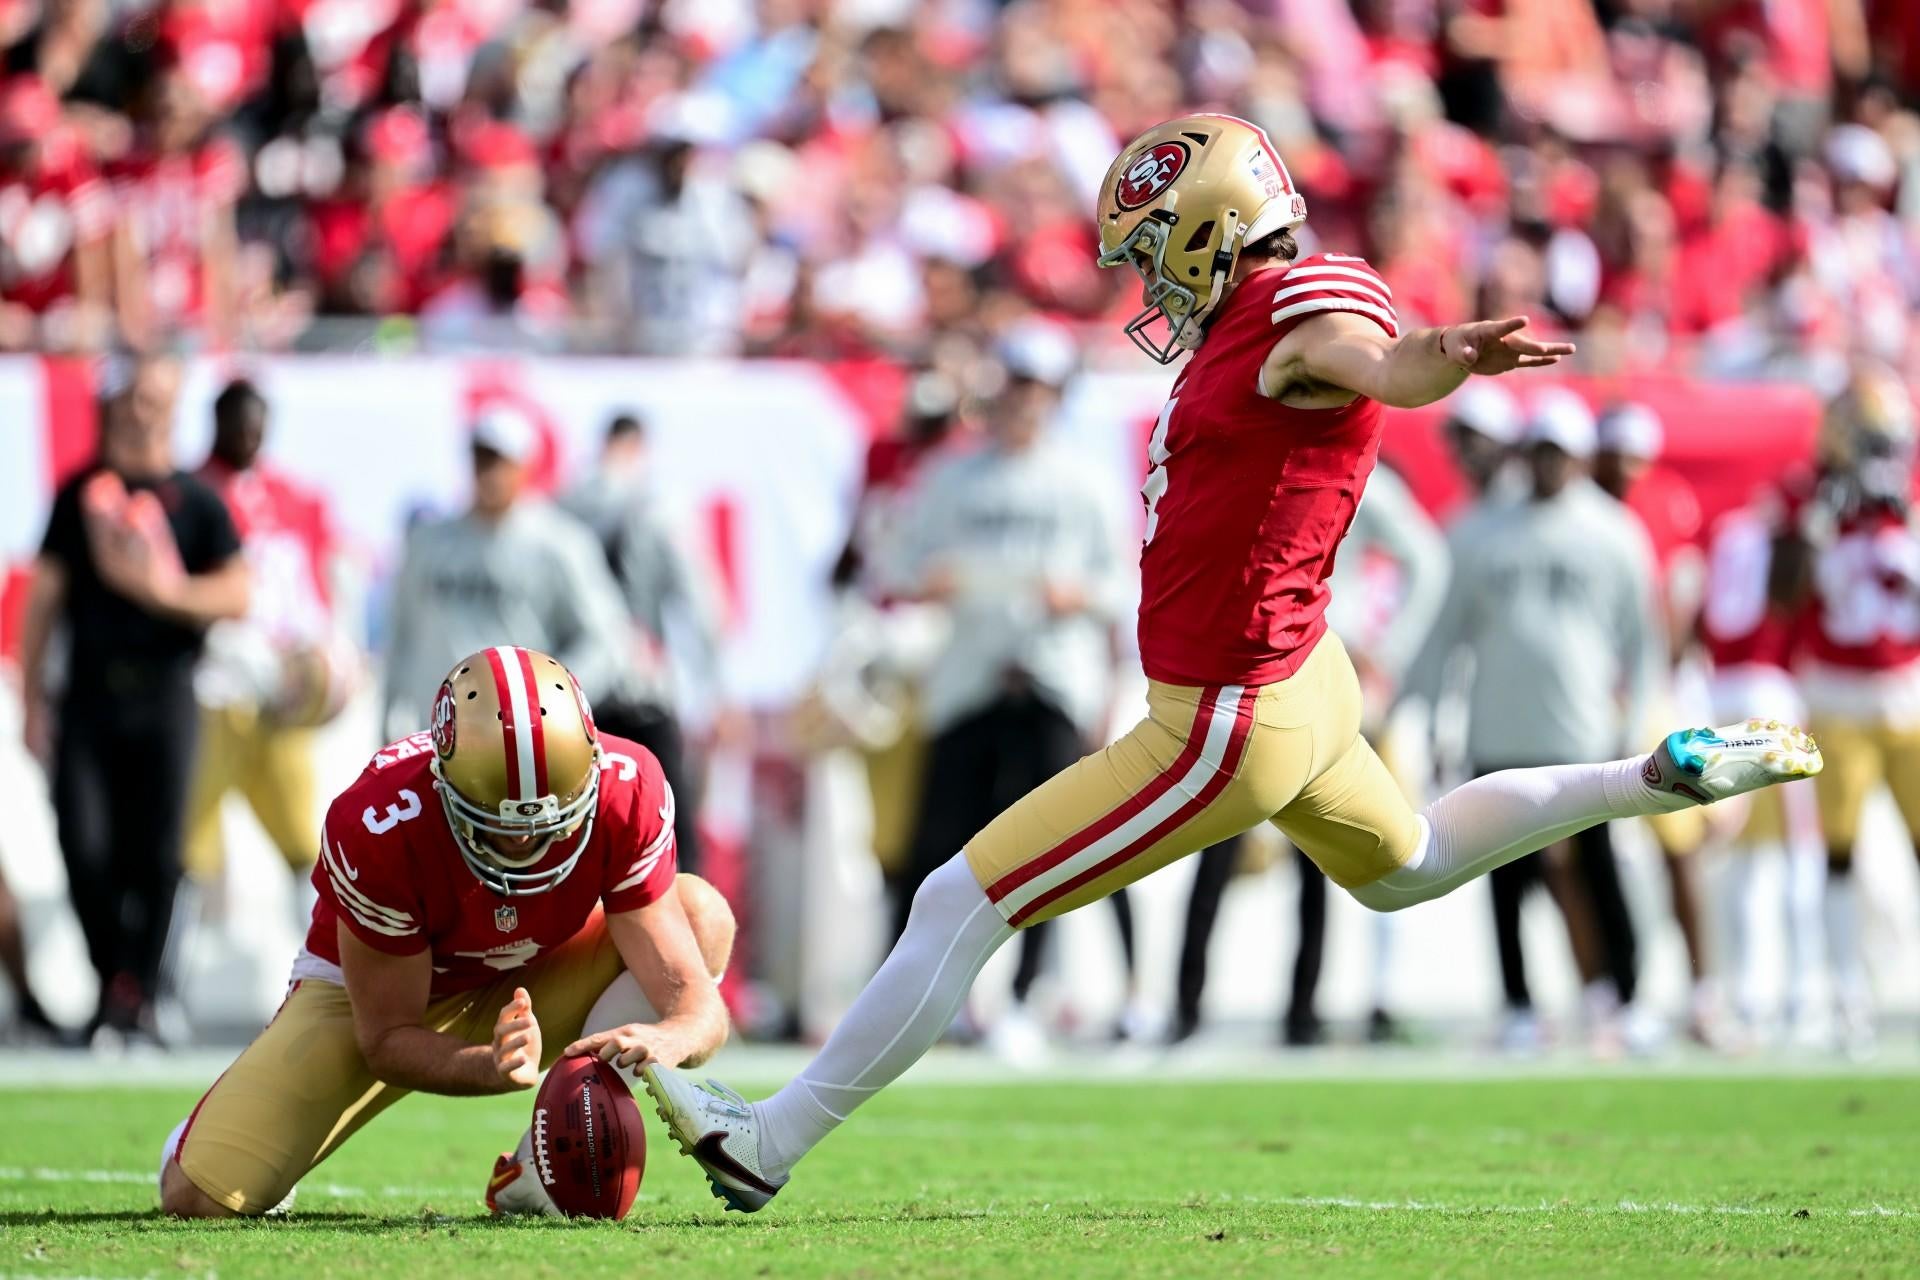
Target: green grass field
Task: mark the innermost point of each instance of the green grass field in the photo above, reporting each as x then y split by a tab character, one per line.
1614	1175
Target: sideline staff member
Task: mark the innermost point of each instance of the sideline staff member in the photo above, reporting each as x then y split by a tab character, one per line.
139	558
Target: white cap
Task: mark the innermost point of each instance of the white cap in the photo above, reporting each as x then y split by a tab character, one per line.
690	119
506	431
1484	407
1560	418
1039	350
1856	153
1632	429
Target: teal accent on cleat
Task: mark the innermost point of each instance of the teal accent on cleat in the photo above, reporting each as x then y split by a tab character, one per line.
1688	749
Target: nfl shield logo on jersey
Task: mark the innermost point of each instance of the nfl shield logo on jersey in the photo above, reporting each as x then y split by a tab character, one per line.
506	919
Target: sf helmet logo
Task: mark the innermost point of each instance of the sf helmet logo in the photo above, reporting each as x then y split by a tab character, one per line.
1151	172
441	728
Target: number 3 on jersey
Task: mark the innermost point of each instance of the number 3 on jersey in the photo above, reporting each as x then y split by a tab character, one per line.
407	807
1155	487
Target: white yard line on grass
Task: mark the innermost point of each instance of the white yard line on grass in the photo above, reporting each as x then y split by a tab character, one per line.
1669	1207
15	1173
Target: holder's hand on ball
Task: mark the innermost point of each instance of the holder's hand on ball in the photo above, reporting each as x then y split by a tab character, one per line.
516	1042
632	1046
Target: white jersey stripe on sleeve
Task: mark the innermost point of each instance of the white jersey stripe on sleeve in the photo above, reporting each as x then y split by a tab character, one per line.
656	849
370	922
638	873
1385	317
343	876
667	811
1321	271
521	712
1338	287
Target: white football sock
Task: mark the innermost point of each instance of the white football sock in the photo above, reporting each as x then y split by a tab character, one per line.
167	1149
1850	988
1736	907
1493	820
1806	890
901	1014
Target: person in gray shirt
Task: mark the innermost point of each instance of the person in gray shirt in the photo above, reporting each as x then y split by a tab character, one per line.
671	617
1552	597
1020	547
508	570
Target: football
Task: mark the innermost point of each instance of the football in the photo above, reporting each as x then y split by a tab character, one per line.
589	1148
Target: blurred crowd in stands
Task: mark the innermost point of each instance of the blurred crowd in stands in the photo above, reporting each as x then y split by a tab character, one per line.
1729	185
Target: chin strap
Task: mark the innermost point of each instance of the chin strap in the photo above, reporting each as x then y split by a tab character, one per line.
1223	259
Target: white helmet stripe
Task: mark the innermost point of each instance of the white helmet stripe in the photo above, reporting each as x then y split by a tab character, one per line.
519	710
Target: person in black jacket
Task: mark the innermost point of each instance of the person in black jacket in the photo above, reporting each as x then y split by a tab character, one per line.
138	560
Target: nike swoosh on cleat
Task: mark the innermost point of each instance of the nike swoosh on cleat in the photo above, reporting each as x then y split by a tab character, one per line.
709	1152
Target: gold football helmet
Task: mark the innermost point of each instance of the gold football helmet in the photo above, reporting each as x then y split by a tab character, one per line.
515	758
1872	418
1178	205
1867	439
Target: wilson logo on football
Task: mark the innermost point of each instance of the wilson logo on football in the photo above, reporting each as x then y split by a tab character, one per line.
442	725
1150	174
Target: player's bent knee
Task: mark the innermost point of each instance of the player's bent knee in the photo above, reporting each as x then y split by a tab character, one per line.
711	918
950	888
1380	897
180	1198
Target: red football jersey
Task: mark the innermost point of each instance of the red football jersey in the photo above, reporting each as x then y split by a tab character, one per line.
1739	624
390	871
165	201
1247	499
290	545
44	216
1866	588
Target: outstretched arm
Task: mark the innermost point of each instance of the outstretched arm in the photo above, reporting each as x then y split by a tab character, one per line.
1339	351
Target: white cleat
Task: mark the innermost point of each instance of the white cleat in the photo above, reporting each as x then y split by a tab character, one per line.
515	1186
1705	765
717	1127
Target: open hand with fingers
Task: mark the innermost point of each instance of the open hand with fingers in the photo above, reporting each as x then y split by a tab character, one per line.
1491	347
516	1042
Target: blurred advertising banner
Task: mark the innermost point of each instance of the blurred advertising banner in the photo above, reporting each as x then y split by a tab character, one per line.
760	462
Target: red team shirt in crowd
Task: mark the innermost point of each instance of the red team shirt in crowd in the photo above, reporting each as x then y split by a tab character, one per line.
390	871
1247	498
45	214
168	201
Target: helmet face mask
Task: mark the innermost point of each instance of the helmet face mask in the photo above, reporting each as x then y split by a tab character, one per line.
1162	297
517	767
508	874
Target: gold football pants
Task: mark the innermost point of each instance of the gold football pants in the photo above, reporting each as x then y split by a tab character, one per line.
1206	764
301	1088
